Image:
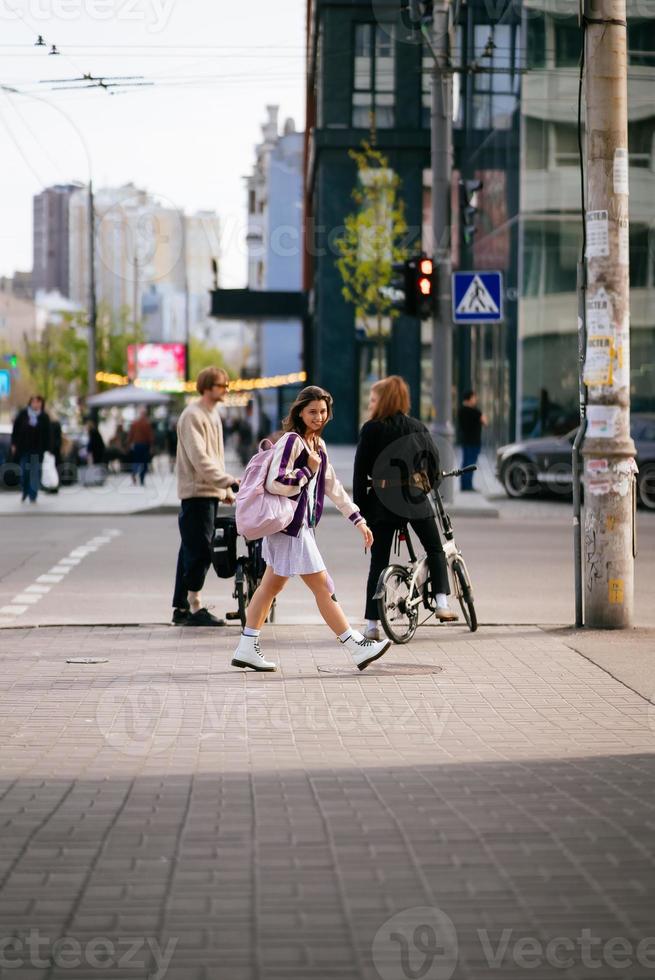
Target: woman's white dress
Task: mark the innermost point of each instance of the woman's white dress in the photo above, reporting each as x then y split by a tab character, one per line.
289	556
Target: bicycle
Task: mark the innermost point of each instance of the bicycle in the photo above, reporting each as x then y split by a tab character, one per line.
402	589
249	572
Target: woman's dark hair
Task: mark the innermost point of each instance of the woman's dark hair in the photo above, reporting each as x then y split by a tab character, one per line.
393	397
293	422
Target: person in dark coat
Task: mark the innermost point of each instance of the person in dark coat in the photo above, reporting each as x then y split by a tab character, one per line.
470	420
95	447
30	440
396	464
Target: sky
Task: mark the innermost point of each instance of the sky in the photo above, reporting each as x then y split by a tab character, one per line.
189	139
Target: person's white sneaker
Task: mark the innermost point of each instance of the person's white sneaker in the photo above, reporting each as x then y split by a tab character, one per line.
372	633
248	654
366	651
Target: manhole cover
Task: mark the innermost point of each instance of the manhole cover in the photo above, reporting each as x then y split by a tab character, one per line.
405	670
87	660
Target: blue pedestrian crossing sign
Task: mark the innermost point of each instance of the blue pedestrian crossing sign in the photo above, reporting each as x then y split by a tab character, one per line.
477	297
5	384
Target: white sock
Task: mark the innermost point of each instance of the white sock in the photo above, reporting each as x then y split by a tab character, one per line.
373	624
442	600
195	602
249	631
345	636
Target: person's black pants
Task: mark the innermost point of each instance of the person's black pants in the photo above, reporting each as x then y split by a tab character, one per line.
427	533
196	521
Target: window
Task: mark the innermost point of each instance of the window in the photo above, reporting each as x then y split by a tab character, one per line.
374	76
641	42
550	256
495	92
535	38
566	145
640	258
640	142
568	41
535	140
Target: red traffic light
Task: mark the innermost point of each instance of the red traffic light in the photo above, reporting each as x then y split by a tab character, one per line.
425	267
425	286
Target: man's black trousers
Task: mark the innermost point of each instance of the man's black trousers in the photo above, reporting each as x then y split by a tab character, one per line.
427	533
196	520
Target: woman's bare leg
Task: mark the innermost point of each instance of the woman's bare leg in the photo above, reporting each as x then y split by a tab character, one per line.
259	607
330	610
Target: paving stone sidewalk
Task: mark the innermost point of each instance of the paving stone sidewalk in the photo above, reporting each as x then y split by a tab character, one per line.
471	806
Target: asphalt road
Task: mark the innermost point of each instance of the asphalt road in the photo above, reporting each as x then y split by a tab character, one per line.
77	570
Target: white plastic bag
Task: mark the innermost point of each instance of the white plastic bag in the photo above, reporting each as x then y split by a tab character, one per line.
49	474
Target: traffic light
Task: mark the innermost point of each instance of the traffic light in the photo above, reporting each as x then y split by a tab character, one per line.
411	288
12	361
424	287
468	201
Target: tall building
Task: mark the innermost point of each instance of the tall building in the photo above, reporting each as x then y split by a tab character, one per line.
149	256
514	129
550	225
274	240
363	82
50	238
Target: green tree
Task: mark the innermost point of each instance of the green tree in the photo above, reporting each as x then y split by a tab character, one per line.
202	355
56	362
372	241
115	332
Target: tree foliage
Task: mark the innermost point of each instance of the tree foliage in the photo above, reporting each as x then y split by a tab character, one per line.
373	239
202	355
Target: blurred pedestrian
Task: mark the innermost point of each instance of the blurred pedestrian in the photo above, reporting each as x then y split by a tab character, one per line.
201	483
470	420
30	440
140	441
246	435
396	465
95	447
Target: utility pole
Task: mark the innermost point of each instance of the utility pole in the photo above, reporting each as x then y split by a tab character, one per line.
93	306
608	450
442	168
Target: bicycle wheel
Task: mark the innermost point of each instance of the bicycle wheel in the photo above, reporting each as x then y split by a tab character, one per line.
241	591
465	593
399	620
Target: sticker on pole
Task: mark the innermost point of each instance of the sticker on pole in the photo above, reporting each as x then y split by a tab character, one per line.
477	297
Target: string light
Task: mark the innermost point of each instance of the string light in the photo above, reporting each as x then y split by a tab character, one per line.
188	387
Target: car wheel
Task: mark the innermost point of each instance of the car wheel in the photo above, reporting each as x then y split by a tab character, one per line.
646	482
519	478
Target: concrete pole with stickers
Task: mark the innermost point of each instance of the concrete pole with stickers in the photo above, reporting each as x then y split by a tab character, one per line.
608	450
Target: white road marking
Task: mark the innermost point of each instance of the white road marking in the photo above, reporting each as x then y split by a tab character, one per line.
32	594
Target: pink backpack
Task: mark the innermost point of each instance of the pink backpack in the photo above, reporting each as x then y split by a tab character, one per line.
258	512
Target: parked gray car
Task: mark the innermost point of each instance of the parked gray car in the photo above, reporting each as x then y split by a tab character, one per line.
529	467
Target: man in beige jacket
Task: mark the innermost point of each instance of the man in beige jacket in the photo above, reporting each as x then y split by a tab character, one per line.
201	483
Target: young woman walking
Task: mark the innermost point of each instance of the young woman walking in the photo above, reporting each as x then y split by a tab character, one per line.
396	463
300	469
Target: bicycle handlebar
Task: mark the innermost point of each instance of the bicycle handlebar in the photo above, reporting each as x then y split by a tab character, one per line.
465	469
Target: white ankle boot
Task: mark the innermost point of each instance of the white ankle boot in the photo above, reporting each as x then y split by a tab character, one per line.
248	654
365	651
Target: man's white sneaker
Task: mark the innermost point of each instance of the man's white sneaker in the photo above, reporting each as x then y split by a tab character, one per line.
366	651
372	633
248	654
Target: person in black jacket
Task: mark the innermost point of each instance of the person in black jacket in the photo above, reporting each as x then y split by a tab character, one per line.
30	440
396	463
